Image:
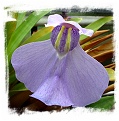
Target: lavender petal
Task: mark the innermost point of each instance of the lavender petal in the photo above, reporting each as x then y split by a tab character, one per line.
33	62
77	79
86	78
54	20
53	92
87	32
84	31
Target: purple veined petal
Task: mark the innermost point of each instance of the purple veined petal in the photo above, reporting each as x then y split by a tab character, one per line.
33	62
84	31
77	80
53	92
86	78
54	20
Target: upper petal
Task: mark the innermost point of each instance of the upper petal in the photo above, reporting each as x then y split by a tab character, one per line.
54	20
84	31
86	78
33	62
75	24
87	32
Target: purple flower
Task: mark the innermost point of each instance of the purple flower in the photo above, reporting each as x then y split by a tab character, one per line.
59	71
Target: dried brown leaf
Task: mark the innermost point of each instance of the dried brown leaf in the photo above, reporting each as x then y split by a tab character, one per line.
110	88
104	56
113	67
91	44
101	49
97	33
19	99
110	65
37	105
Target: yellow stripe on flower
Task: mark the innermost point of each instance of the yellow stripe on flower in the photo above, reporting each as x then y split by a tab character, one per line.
57	42
68	41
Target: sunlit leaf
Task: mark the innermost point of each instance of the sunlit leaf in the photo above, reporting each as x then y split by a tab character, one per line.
96	25
111	74
99	23
22	31
46	37
38	35
105	103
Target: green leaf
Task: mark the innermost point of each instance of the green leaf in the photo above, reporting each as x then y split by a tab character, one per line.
38	35
22	31
78	20
96	25
111	74
46	37
20	18
12	78
105	103
19	87
9	29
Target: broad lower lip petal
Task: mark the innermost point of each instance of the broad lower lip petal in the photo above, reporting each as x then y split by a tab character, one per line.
76	80
32	63
53	92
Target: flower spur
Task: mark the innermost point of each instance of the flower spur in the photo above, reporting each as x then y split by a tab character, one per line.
58	71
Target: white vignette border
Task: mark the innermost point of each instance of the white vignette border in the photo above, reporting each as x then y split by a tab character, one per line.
78	113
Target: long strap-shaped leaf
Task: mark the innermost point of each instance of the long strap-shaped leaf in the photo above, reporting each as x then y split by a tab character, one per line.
96	25
38	35
20	18
22	30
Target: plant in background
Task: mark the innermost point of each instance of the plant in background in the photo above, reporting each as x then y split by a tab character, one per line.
66	93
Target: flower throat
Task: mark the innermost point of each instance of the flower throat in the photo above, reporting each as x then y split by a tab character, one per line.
64	38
